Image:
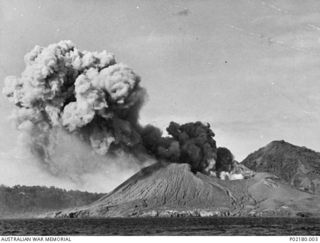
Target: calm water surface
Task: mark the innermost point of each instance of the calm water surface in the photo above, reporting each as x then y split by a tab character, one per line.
162	226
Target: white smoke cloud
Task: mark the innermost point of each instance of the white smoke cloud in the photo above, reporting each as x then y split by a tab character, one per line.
73	107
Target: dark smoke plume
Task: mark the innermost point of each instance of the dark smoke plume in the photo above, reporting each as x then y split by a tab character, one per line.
225	160
88	95
191	143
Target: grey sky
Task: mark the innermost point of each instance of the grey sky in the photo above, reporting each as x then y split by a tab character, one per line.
249	67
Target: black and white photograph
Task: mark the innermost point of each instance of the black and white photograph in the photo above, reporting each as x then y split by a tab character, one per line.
159	118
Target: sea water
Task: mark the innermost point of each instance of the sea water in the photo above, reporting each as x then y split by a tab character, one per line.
162	226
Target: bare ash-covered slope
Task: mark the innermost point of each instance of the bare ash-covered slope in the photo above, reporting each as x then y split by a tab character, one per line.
173	190
298	166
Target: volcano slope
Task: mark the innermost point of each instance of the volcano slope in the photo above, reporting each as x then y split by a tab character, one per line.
298	166
172	190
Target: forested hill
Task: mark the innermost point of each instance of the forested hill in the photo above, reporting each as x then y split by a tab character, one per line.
30	201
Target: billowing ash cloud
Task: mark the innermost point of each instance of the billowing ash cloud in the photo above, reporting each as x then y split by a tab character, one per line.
87	94
192	143
225	160
96	101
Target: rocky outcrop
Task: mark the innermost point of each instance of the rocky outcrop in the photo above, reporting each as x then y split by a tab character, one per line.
298	166
173	190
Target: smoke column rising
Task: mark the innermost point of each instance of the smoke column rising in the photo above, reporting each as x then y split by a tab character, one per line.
79	111
69	100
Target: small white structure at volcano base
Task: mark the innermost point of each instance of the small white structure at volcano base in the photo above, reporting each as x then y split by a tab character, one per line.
224	175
